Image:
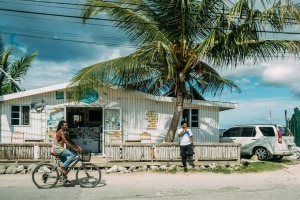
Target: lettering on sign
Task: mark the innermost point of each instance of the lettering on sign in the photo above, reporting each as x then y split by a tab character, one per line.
152	119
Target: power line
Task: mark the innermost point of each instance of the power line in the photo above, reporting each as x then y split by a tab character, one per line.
92	24
68	40
84	5
70	16
104	19
64	34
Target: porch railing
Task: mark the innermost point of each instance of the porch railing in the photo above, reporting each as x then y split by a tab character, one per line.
225	152
171	152
25	151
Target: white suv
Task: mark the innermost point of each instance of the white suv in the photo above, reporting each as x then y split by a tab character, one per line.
266	141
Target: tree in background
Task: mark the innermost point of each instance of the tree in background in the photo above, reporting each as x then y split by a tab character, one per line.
13	72
181	44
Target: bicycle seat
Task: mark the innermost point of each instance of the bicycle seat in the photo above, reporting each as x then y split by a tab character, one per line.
53	154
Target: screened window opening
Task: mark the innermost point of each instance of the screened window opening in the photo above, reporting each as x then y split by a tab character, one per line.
191	116
20	115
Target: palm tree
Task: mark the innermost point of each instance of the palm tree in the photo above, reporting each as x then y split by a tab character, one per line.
180	45
11	73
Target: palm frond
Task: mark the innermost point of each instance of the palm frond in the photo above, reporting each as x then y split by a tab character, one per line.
204	79
16	71
135	24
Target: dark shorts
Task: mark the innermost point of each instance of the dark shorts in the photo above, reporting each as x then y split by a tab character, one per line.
187	150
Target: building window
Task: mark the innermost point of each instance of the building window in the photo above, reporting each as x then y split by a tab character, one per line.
191	116
20	115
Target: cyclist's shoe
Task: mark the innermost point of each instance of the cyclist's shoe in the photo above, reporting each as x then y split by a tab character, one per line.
44	178
66	181
62	170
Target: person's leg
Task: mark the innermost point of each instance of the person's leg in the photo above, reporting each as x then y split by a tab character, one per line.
62	158
69	157
183	157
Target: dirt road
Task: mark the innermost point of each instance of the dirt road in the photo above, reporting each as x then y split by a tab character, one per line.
283	184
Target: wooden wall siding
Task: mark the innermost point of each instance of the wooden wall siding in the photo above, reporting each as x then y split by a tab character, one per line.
133	108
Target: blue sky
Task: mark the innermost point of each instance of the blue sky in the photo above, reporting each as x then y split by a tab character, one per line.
268	88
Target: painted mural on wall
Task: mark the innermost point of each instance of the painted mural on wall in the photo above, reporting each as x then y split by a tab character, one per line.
152	119
38	104
55	115
86	137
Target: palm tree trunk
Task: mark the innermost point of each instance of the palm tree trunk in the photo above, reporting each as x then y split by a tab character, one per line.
176	117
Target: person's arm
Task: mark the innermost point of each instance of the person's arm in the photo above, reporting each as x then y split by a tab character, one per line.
68	144
180	132
67	135
191	137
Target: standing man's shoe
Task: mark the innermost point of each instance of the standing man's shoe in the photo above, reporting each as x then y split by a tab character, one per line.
185	169
62	170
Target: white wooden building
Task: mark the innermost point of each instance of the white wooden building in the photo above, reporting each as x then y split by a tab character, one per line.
32	116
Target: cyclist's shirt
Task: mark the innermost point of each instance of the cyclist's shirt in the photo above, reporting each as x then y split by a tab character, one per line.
58	145
185	138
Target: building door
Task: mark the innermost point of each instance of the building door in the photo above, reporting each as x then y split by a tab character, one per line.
53	116
111	124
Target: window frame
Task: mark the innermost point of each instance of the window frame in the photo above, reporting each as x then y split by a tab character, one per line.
23	115
190	116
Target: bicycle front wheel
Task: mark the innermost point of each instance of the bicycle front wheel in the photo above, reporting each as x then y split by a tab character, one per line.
45	176
88	175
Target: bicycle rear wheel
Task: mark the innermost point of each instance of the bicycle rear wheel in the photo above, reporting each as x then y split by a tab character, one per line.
45	176
88	175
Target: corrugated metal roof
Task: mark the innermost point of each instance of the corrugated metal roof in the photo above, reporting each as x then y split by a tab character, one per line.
221	105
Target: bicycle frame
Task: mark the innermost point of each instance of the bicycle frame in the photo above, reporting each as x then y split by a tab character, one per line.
73	163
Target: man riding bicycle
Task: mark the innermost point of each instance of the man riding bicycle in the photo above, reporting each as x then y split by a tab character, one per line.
62	140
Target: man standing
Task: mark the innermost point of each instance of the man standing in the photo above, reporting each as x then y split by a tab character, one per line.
186	143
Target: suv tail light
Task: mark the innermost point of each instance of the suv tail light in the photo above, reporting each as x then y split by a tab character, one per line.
279	136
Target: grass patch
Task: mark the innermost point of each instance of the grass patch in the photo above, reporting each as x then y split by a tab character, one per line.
265	166
252	167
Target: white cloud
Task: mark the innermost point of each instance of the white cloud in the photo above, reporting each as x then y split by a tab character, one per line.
259	110
46	73
243	80
276	73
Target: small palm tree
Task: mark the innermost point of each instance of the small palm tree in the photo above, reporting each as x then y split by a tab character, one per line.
181	44
11	73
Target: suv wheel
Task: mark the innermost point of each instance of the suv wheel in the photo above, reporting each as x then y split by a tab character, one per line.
262	153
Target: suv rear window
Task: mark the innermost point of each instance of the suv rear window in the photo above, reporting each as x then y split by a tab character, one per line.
284	131
233	132
248	132
267	131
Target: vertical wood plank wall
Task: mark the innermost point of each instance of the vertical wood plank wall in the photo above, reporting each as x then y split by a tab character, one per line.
133	108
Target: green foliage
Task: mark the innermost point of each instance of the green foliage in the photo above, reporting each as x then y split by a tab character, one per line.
14	70
181	45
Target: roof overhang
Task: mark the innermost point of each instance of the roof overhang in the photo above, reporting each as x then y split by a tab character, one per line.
221	105
34	92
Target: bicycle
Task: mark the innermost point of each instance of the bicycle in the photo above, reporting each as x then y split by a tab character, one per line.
88	175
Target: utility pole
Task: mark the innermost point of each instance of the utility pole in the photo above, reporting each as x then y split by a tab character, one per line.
270	116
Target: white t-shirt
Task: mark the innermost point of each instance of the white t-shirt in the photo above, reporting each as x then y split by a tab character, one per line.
185	138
